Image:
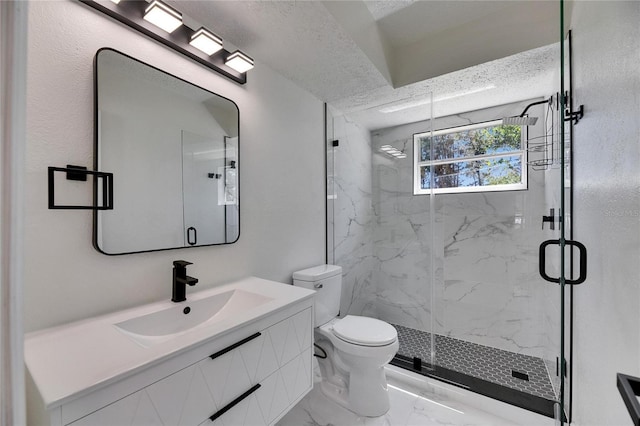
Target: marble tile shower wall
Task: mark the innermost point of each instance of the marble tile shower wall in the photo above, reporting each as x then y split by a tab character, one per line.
485	247
402	241
492	293
485	265
350	197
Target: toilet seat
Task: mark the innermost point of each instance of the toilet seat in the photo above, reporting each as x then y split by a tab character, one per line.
364	331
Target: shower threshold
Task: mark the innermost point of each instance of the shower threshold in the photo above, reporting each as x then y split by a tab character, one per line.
516	379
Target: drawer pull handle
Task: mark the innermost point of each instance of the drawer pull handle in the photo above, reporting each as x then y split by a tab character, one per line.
233	403
235	345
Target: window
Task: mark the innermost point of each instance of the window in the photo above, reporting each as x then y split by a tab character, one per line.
480	157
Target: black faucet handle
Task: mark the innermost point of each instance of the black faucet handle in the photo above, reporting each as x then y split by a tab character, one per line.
181	263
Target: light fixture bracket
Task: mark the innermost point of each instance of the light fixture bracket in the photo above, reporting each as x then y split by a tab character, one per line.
131	14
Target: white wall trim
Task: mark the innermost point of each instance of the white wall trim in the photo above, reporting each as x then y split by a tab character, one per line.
13	71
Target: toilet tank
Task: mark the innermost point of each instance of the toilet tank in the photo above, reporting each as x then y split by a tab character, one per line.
326	280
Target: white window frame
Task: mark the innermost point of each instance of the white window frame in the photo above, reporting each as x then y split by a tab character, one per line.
417	189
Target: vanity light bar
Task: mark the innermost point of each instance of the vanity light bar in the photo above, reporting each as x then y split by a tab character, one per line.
164	24
206	41
163	16
239	61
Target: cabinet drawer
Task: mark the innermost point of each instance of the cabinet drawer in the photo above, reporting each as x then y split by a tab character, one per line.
275	394
278	358
136	409
232	373
179	399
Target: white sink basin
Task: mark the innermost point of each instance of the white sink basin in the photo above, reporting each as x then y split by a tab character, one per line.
72	361
160	326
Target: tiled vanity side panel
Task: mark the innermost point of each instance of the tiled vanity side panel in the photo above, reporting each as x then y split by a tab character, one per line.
83	405
281	356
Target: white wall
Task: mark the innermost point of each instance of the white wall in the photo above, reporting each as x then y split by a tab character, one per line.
607	206
13	65
282	174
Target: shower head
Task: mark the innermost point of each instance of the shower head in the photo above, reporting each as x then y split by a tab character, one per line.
519	121
523	119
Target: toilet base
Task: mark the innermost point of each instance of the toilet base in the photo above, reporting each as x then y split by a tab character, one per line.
361	390
367	404
368	394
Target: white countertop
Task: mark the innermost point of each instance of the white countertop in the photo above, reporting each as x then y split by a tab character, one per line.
75	358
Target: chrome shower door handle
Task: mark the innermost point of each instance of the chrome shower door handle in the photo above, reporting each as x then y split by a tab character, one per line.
583	261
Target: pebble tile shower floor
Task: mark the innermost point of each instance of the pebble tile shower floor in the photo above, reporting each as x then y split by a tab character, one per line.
484	362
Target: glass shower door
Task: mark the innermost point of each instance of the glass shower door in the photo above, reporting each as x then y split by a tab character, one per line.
459	272
570	256
379	232
492	330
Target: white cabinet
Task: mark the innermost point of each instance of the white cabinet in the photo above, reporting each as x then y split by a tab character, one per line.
253	381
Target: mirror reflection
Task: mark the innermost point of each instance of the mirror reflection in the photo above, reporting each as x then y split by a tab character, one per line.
173	149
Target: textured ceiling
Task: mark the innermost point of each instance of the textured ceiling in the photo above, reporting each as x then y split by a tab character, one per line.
380	9
299	39
527	75
421	19
357	55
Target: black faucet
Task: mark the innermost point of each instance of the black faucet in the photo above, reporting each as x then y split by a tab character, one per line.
181	280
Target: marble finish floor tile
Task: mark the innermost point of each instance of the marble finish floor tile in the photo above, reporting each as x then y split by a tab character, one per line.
484	362
412	407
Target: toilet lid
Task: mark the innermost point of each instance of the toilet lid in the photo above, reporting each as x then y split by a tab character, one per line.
365	331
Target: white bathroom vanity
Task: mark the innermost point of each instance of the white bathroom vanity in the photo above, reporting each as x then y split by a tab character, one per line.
238	354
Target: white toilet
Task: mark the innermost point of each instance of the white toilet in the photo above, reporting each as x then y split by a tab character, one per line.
357	348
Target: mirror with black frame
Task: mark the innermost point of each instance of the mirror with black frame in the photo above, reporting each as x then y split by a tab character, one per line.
173	149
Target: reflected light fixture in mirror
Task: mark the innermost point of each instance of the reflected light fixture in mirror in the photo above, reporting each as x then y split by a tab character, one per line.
163	16
116	1
239	62
206	41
